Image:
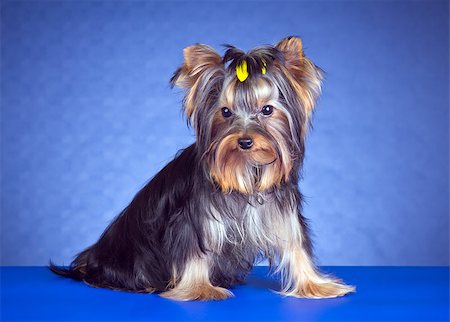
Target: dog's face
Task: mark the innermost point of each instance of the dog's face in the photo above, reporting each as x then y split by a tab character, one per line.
250	111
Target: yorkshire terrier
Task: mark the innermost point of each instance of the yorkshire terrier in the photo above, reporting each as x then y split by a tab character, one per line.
229	199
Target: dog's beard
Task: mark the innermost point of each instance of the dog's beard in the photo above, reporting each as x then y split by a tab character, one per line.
248	171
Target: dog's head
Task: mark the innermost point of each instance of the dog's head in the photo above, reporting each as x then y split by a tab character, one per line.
250	111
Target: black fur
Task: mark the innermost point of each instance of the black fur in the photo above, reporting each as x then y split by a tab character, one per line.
175	217
162	228
256	59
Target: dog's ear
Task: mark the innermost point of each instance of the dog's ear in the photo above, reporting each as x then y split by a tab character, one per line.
202	70
303	74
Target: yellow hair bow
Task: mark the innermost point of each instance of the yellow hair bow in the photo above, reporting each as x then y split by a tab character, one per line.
241	71
264	69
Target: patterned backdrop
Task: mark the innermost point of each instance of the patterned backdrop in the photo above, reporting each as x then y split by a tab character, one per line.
88	117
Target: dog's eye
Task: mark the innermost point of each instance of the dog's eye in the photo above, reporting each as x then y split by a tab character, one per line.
267	109
226	112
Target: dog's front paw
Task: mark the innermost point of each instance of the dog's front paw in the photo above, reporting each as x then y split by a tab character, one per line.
201	293
326	288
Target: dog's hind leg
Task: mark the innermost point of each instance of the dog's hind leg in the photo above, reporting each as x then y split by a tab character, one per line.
194	283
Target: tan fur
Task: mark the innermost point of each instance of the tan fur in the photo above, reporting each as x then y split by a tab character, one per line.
278	236
260	168
300	277
194	284
201	62
257	170
228	92
248	171
304	76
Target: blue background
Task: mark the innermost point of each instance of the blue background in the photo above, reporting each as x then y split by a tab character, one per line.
88	116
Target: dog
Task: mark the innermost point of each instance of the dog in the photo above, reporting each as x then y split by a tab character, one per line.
231	198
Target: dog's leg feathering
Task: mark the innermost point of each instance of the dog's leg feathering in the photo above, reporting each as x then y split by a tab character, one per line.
194	284
299	275
301	278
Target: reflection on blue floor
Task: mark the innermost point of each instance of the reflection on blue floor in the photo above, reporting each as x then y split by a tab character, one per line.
383	294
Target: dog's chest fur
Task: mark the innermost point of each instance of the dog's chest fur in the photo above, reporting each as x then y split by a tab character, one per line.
248	229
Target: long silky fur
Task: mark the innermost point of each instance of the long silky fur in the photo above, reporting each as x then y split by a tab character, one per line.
191	230
163	227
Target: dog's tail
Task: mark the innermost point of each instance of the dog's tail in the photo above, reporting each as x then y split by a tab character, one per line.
76	270
69	272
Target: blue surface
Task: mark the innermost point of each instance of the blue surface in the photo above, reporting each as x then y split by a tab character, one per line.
383	294
88	116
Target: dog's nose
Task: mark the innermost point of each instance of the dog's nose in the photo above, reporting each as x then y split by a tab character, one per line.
245	143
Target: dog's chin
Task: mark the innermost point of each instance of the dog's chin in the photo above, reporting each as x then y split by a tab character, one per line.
247	172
